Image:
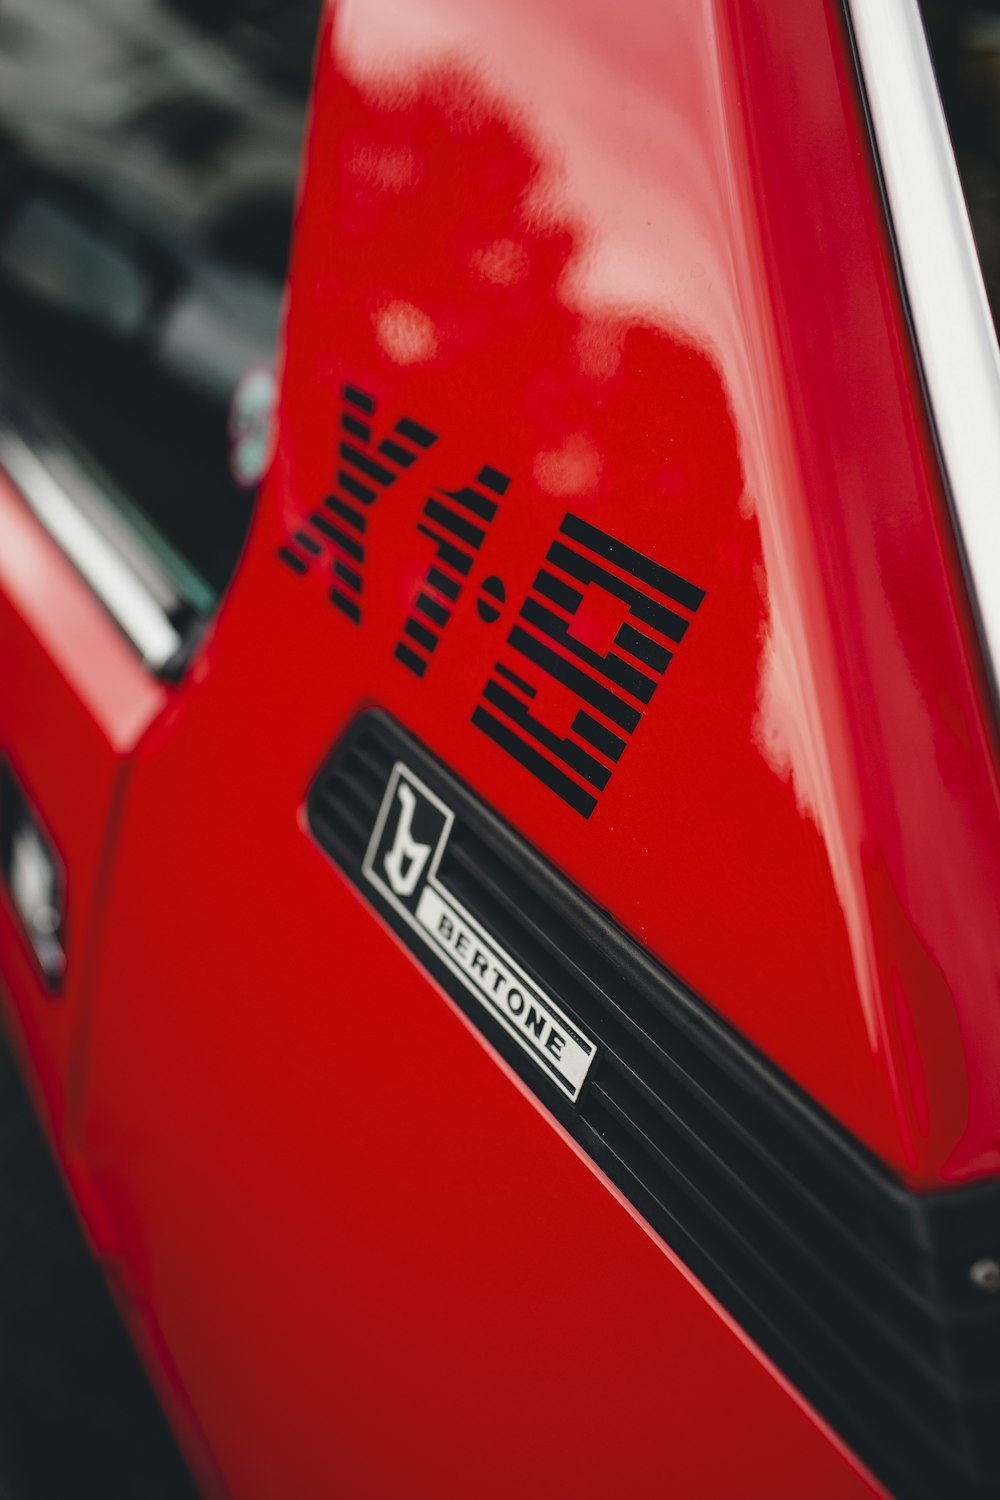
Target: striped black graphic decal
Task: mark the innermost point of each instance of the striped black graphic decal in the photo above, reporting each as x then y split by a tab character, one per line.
457	522
364	473
614	687
595	634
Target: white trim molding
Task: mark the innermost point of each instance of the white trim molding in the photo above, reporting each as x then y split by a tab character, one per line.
124	595
955	336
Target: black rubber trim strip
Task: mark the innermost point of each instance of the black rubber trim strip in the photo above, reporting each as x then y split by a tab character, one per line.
856	1287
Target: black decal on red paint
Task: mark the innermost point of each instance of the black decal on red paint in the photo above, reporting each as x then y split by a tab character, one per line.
365	471
457	522
615	678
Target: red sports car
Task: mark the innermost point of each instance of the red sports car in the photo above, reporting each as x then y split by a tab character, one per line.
500	923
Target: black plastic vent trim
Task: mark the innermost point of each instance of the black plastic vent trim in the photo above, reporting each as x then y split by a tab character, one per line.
859	1289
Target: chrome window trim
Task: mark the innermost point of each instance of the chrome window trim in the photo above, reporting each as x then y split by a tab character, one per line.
126	597
954	330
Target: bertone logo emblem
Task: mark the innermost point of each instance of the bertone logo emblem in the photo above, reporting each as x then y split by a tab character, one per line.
404	855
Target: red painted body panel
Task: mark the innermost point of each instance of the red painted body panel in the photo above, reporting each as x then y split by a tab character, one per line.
68	729
634	260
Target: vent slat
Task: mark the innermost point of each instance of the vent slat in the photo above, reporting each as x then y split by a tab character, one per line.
846	1310
926	1470
345	826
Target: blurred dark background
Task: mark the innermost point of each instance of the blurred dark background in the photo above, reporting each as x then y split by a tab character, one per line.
964	37
149	155
77	1416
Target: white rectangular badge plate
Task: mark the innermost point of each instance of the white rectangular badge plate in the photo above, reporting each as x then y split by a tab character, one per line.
404	852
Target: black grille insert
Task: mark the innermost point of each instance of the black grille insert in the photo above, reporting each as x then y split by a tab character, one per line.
859	1289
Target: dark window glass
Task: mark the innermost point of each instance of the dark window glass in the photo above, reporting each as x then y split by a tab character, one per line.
964	40
149	154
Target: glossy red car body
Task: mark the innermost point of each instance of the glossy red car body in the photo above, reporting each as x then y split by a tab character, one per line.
640	265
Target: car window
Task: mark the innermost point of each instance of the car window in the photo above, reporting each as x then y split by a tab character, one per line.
964	40
53	256
148	162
